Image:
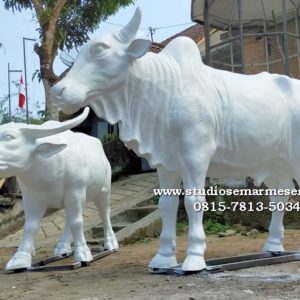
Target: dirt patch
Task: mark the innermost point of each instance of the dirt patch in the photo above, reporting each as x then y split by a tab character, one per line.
124	275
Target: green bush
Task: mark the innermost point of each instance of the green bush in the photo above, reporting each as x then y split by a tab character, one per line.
109	137
212	226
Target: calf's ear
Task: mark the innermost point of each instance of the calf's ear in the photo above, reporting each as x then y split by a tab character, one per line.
138	48
47	149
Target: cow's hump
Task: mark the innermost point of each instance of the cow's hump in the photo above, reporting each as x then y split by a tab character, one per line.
186	53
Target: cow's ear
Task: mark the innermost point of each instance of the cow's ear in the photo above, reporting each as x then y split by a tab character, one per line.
138	48
47	149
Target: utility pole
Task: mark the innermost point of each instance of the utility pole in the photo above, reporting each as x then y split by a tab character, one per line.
25	73
152	32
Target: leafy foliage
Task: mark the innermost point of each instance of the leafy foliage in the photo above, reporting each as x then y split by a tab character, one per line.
212	226
78	18
109	137
17	4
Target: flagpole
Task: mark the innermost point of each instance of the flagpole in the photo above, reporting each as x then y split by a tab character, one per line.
25	73
9	100
9	93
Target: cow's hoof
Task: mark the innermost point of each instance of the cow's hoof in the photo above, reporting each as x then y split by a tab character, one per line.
193	263
21	260
160	261
83	254
62	249
111	244
272	247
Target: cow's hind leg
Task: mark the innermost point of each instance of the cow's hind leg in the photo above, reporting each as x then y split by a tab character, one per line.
276	229
168	206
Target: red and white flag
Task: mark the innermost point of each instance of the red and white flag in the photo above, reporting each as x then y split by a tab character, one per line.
22	96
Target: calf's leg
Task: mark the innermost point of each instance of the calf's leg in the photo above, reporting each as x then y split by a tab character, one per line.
34	211
63	246
74	202
102	202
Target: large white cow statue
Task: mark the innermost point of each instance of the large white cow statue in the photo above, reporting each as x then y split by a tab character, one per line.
56	168
189	121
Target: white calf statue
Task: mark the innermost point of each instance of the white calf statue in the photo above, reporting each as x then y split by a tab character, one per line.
56	168
189	121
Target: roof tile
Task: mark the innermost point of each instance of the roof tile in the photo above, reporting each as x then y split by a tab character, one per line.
195	32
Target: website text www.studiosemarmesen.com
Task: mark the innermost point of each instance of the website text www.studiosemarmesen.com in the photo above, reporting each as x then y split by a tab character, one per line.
236	205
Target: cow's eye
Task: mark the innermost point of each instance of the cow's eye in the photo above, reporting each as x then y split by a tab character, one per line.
8	137
98	49
102	46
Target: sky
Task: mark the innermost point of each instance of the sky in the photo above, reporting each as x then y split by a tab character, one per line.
176	15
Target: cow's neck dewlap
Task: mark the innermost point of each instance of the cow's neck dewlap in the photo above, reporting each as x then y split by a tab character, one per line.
140	127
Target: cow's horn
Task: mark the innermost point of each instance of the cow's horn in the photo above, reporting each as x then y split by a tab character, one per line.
51	128
128	33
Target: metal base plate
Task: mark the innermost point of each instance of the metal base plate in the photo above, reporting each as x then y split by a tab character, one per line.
234	263
43	265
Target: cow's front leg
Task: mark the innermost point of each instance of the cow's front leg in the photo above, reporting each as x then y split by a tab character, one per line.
74	203
63	246
168	206
274	243
34	211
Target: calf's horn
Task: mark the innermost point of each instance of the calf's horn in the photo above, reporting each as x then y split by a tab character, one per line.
51	128
128	33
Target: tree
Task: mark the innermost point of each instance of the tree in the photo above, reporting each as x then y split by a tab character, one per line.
63	24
